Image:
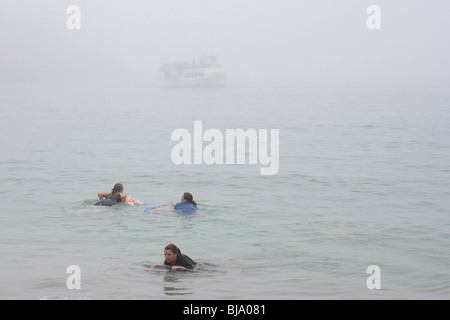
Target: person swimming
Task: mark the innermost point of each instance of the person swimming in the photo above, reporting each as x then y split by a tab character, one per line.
175	260
187	204
108	199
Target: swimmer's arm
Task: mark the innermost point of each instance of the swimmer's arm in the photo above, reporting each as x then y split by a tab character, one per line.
158	266
103	195
178	268
123	197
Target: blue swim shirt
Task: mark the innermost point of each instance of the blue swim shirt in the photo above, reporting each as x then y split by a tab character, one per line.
185	207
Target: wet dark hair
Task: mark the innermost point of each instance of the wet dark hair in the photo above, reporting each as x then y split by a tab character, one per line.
189	198
173	248
118	187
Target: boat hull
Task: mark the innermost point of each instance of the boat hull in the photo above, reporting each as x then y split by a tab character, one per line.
216	81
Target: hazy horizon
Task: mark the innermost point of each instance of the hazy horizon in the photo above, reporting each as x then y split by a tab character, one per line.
318	43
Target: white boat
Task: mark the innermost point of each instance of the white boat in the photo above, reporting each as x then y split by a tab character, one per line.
203	71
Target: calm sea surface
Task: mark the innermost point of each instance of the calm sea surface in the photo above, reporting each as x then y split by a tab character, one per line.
364	179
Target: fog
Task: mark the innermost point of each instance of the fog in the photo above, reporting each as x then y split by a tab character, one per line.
311	42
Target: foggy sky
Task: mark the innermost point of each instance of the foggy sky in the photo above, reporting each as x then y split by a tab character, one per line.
320	42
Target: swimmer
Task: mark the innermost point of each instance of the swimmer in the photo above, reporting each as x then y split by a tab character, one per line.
108	199
187	205
175	260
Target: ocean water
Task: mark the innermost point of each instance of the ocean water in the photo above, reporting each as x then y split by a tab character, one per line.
363	180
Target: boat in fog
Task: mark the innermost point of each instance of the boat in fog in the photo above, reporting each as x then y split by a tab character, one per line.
203	71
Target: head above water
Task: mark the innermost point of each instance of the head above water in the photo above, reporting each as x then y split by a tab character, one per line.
187	197
173	248
171	253
118	187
